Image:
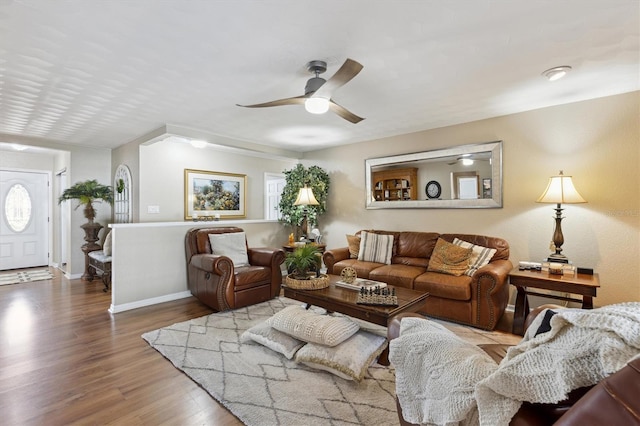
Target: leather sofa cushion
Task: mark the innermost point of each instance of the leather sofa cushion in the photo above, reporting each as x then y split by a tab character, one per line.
363	269
398	275
251	276
444	286
416	244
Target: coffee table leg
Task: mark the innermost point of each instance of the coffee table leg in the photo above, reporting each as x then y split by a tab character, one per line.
383	359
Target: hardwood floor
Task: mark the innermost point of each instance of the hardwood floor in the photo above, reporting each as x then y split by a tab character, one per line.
65	360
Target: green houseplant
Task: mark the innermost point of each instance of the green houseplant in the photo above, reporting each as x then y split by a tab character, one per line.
86	193
302	261
316	179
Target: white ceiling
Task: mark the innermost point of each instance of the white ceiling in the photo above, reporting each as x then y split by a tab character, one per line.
102	73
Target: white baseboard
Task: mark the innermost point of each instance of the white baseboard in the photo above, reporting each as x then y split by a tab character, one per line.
114	309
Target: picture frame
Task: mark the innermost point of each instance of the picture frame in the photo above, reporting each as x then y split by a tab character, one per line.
214	195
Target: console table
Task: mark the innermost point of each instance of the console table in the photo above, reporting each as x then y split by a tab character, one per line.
580	284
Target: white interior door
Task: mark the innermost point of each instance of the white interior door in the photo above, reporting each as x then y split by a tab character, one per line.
24	215
274	184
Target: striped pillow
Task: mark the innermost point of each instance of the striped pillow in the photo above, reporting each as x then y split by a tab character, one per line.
375	247
480	256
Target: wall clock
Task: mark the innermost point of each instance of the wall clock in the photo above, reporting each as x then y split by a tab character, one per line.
433	189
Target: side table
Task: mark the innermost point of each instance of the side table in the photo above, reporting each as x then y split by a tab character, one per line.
581	284
289	248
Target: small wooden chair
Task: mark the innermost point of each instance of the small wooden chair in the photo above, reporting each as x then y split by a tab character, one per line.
100	261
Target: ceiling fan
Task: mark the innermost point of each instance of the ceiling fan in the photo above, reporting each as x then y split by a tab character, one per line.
318	91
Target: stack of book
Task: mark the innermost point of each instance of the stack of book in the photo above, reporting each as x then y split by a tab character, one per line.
360	283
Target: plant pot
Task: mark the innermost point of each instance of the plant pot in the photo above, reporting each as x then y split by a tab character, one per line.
313	283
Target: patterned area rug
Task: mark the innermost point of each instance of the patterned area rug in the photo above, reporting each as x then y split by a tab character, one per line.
262	387
25	276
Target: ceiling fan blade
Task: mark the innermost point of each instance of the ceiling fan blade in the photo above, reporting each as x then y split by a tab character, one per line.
347	71
344	113
298	100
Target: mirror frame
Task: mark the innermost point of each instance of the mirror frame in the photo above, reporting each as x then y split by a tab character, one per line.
495	148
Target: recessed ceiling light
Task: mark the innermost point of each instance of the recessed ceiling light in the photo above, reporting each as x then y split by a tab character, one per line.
198	143
556	73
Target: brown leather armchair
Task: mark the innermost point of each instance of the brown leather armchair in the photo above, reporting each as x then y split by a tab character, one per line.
217	283
612	401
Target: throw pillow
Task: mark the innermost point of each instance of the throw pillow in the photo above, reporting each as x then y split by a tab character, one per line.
449	258
354	246
480	256
106	248
312	327
273	339
233	245
348	360
375	247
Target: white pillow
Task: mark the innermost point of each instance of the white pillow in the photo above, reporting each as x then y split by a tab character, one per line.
349	360
233	245
310	326
480	256
106	248
273	339
375	247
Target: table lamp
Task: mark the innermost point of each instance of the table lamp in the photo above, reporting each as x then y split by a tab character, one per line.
560	190
305	198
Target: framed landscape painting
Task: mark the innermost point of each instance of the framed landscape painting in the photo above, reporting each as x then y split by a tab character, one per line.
214	195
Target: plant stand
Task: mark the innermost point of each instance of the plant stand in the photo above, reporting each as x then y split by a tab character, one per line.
91	230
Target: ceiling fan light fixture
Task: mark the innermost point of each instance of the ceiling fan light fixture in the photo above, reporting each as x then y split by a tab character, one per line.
316	105
467	162
556	73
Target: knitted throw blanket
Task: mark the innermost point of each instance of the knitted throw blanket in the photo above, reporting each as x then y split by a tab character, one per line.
459	386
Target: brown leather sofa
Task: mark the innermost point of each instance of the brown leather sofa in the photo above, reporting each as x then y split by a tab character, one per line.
613	401
479	300
217	283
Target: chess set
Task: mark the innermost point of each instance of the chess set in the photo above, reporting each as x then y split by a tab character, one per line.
377	296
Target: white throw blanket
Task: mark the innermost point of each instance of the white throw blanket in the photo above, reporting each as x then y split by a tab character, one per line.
441	380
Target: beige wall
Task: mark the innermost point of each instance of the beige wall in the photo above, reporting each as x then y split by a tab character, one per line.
597	142
162	166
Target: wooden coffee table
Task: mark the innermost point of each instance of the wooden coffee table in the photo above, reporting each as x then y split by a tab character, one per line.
343	300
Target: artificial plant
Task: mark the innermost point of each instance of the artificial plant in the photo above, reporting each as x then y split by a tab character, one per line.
316	179
302	261
86	193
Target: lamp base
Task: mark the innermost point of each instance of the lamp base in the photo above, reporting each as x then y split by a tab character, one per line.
559	258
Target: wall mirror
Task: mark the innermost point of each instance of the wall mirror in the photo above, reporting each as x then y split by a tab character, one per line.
465	176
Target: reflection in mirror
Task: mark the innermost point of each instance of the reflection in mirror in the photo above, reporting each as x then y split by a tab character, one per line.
466	176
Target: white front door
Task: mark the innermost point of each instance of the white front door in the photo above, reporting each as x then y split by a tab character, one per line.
24	217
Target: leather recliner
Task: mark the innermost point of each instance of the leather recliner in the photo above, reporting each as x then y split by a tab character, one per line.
217	283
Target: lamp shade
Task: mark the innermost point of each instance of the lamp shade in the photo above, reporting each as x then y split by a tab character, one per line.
560	190
306	197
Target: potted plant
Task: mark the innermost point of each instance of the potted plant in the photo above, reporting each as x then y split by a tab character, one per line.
304	265
315	178
86	193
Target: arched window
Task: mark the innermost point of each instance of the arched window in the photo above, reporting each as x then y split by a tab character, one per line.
122	195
